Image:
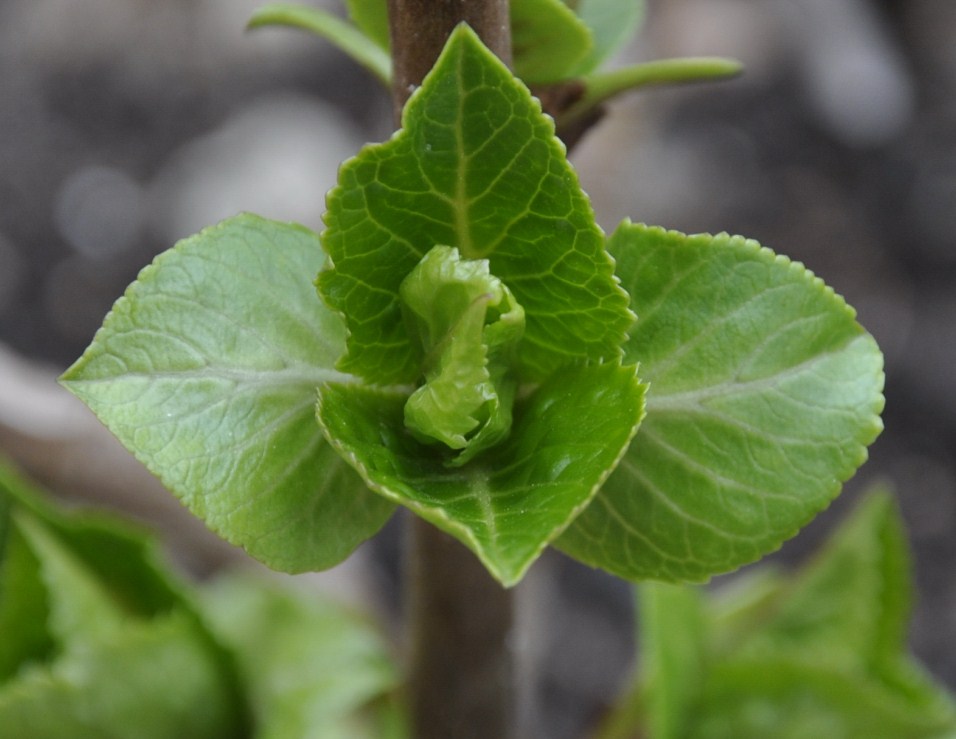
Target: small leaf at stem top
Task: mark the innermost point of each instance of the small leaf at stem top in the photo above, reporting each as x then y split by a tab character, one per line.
476	167
468	326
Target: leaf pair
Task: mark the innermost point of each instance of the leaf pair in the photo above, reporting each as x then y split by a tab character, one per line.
764	389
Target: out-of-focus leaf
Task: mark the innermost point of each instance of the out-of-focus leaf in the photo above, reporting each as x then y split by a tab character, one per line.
313	669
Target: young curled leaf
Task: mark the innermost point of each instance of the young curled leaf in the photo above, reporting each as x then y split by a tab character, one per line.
467	324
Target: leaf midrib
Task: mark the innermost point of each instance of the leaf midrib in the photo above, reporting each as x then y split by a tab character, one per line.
243	376
694	400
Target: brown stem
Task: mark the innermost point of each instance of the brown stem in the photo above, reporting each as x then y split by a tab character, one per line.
459	618
419	29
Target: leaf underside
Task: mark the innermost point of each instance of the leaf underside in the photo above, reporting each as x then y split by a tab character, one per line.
764	393
207	371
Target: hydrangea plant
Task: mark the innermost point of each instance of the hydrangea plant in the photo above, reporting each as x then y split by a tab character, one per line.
464	341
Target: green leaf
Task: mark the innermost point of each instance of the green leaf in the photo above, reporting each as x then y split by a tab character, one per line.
612	24
794	699
310	666
371	16
764	394
366	51
151	680
24	608
507	505
83	594
475	167
549	42
206	370
817	653
468	325
115	551
115	672
834	640
82	610
600	87
850	606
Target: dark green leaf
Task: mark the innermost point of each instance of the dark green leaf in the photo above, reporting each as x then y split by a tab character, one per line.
475	167
24	608
149	680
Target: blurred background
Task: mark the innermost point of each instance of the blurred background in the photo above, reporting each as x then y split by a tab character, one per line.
128	124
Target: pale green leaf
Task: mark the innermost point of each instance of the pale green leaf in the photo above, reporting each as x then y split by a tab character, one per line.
311	667
834	640
366	51
817	653
764	394
549	42
475	167
468	325
507	505
601	86
206	370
